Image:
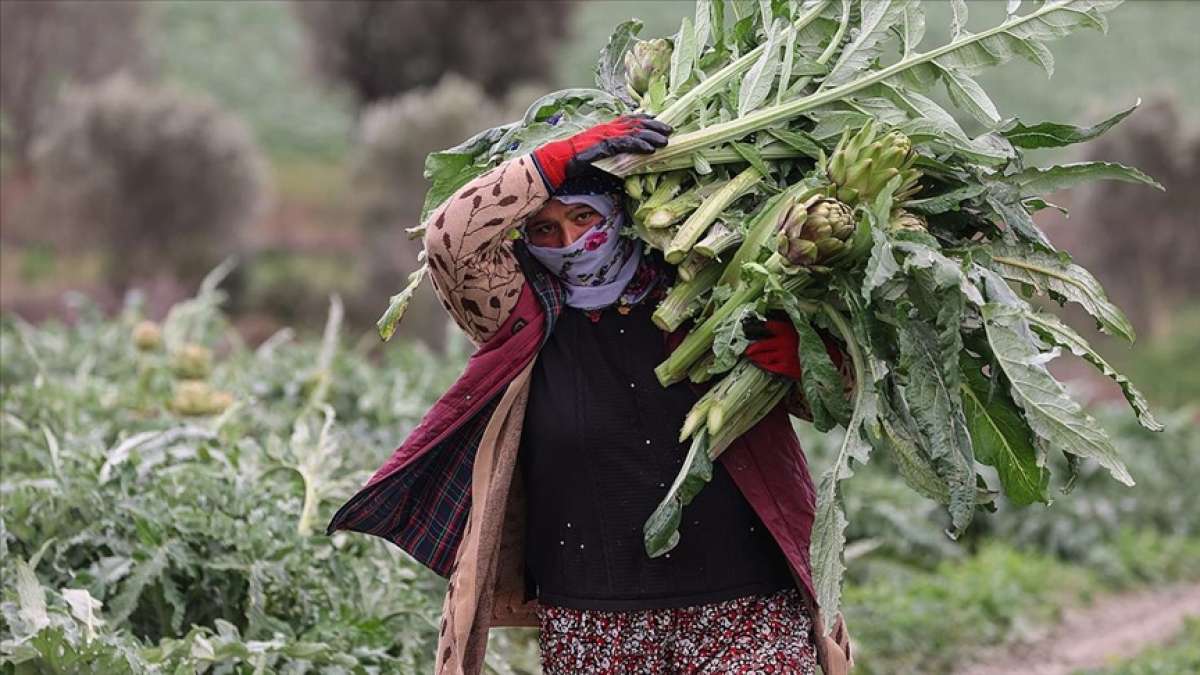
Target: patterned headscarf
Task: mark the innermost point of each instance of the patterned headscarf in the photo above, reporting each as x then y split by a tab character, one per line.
597	268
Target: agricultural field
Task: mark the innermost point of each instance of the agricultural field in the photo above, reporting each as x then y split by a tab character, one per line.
138	538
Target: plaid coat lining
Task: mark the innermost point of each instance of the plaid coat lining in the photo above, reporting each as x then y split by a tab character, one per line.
423	507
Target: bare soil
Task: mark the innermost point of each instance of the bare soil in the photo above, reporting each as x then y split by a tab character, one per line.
1114	628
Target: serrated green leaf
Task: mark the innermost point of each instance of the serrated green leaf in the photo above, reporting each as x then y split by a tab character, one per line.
660	533
958	21
31	598
753	156
144	574
947	201
1003	440
398	304
1057	420
966	93
798	140
1056	332
1054	273
1056	135
703	23
1042	181
756	85
822	382
933	396
683	56
610	69
877	21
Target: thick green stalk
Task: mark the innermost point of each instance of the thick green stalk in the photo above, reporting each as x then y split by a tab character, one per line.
773	152
770	391
699	372
699	340
680	109
691	266
719	239
680	302
695	226
686	144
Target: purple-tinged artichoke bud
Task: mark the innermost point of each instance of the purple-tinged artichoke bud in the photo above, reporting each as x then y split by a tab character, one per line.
646	61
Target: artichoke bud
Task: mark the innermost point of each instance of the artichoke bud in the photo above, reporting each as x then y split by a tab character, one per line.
192	362
647	60
907	220
801	252
147	336
858	171
848	195
196	398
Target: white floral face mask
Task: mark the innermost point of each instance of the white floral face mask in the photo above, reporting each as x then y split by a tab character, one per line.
598	266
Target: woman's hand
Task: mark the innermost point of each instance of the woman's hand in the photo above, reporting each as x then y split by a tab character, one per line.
778	351
559	160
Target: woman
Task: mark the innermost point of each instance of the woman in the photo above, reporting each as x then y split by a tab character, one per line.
563	382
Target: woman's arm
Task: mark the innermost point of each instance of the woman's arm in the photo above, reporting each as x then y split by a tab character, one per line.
471	262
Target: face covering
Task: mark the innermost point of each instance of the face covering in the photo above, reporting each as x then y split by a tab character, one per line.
597	268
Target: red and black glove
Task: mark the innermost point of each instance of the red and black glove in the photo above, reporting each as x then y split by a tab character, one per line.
776	349
559	160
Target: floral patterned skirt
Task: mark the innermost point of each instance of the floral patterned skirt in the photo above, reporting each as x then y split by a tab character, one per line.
754	634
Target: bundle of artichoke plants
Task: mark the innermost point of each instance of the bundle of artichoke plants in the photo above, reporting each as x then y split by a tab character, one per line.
812	176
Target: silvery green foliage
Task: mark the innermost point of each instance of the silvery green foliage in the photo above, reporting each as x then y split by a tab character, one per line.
142	541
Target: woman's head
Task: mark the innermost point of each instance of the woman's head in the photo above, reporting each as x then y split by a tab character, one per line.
560	224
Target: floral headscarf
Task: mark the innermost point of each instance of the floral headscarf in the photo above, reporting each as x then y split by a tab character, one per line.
600	268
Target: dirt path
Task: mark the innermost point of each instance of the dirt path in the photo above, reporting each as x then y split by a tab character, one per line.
1089	637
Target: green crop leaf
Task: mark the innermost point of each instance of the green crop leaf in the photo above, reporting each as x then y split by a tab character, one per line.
822	382
660	533
1002	439
756	86
144	574
398	303
610	69
1056	135
1053	330
1037	181
683	56
1055	274
877	21
932	391
799	141
966	93
753	156
1057	420
958	21
31	597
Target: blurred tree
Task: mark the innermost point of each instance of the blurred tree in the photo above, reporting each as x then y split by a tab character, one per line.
379	48
1142	243
164	181
46	43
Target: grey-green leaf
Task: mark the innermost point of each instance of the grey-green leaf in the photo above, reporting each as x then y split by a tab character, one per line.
1056	274
934	397
1042	181
966	93
683	56
1055	135
1003	440
610	69
756	86
1057	420
660	533
877	20
1052	329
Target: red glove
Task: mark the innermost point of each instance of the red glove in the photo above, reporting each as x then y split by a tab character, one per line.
559	160
778	352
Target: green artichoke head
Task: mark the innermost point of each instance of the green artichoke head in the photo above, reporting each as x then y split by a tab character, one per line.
649	59
815	230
